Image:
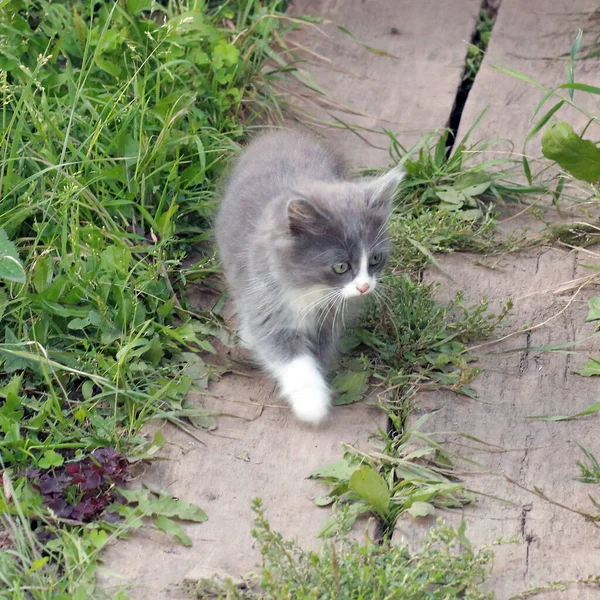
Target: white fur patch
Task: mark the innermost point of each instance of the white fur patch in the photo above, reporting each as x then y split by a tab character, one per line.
306	304
353	289
303	386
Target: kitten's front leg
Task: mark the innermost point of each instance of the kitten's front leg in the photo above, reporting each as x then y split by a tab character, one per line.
302	384
289	357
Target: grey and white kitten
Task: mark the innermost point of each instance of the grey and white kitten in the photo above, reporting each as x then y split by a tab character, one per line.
301	246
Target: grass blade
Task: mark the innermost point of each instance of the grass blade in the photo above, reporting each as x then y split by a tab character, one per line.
571	68
583	87
590	410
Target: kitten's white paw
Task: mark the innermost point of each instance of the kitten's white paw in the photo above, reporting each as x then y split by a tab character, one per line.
304	388
310	405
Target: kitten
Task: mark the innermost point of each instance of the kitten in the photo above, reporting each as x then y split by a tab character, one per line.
301	246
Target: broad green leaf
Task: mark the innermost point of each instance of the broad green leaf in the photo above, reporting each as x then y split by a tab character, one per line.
155	351
476	189
186	511
169	507
78	323
340	470
41	274
115	259
12	387
11	410
450	195
7	63
470	179
594	309
324	500
421	509
225	54
202	418
36	565
372	488
50	459
11	268
351	386
173	528
590	369
107	65
136	6
579	157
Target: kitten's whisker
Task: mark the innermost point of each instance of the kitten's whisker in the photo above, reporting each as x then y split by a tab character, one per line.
380	237
317	291
382	229
314	306
344	305
316	302
335	315
326	314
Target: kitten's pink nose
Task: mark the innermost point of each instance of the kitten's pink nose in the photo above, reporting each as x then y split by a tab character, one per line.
363	288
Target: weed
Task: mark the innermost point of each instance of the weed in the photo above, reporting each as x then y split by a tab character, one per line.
80	490
479	44
52	563
590	470
444	566
446	203
412	474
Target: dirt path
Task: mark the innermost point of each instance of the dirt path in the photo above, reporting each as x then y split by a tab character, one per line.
260	450
551	542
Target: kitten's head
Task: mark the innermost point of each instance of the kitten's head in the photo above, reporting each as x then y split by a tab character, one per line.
336	237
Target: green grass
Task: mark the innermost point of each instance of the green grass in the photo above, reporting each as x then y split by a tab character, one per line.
114	130
444	566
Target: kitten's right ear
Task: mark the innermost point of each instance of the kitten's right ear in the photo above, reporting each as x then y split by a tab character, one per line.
384	186
305	217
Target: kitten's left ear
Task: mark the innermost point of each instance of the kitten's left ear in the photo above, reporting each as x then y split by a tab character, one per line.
305	217
382	188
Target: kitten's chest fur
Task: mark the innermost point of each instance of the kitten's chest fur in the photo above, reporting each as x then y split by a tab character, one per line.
316	309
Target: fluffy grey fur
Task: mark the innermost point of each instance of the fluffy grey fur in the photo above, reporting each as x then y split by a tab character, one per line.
288	219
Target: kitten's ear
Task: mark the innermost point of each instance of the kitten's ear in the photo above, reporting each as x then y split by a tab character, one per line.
305	217
382	188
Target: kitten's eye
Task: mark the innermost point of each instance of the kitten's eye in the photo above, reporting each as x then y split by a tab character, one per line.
375	259
340	268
